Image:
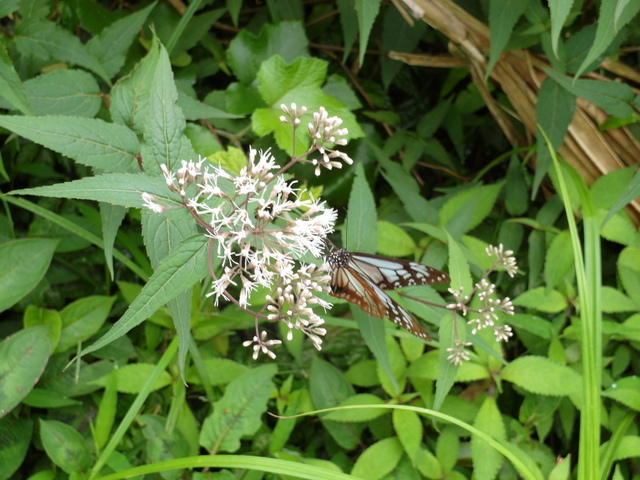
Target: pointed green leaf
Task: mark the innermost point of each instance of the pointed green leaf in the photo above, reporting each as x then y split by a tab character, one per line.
543	376
90	141
238	413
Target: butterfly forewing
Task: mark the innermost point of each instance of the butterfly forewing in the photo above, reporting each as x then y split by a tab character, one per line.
361	278
391	273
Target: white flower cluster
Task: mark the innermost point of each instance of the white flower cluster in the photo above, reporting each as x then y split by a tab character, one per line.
261	228
487	314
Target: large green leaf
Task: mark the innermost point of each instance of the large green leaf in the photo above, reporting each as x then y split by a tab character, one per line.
24	263
238	413
89	141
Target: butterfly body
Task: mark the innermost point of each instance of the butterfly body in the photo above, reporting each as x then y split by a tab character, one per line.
361	278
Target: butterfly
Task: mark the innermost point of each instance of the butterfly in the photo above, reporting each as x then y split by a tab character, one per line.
361	279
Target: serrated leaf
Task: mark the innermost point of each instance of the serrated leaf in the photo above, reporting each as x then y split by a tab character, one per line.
379	459
540	298
542	376
164	139
24	264
45	40
613	97
614	301
299	83
239	411
626	391
23	357
466	210
409	430
123	189
359	234
89	141
64	92
610	21
503	15
486	459
65	446
180	269
11	88
559	12
162	444
366	11
112	43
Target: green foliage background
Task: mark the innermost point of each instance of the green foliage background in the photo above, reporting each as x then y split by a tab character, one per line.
95	97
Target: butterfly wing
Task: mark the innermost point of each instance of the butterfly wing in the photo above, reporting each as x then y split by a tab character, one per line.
391	273
348	284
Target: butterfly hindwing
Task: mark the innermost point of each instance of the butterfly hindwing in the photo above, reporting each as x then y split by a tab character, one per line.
361	279
348	284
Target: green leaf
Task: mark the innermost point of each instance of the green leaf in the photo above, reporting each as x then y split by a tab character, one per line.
559	259
164	139
24	264
129	378
88	141
40	398
428	464
23	357
65	446
409	430
542	299
299	83
554	112
360	234
466	210
123	189
366	414
82	318
162	443
11	88
220	370
247	52
182	268
629	272
625	390
447	448
393	241
239	411
447	371
327	385
486	459
46	41
363	374
613	97
559	12
611	20
631	192
614	301
542	376
503	15
366	11
349	25
16	434
378	460
110	46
